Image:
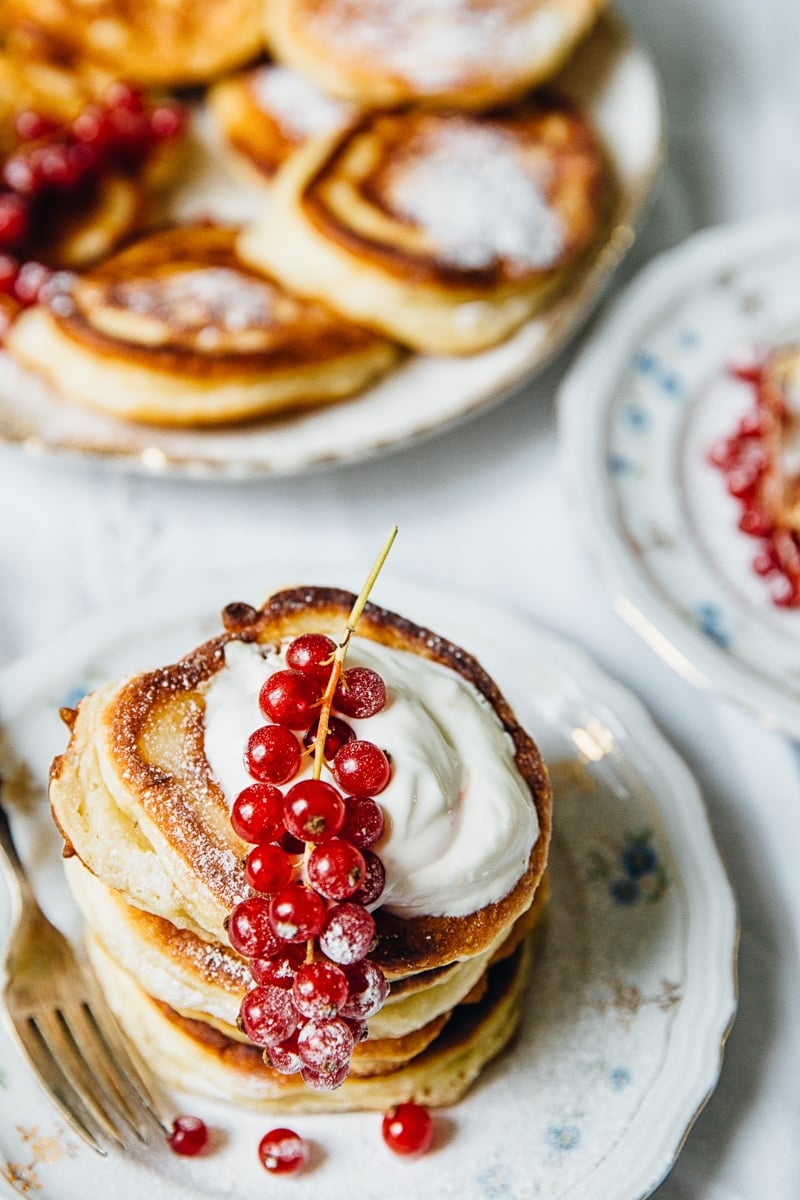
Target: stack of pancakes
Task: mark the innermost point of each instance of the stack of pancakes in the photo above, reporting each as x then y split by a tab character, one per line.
156	868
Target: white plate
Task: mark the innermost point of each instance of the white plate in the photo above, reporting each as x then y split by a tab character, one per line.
649	396
633	992
615	80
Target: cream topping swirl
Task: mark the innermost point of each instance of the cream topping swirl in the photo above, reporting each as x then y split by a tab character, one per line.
460	822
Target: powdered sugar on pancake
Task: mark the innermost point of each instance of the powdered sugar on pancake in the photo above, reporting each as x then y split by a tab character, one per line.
466	187
195	299
297	105
436	44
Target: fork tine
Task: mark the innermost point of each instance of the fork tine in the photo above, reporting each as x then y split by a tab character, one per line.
132	1097
67	1059
60	1090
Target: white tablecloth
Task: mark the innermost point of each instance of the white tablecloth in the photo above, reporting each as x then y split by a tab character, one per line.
482	508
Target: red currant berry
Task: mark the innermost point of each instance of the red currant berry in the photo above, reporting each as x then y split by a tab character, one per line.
335	869
272	754
128	134
313	810
14	219
358	1028
31	279
755	522
319	990
9	269
368	990
408	1129
362	767
325	1081
281	970
338	735
374	880
167	120
284	1057
325	1046
363	821
53	164
360	693
290	698
189	1136
30	125
282	1152
83	160
257	813
292	845
250	931
124	96
91	128
296	914
267	1015
20	175
348	934
312	653
268	868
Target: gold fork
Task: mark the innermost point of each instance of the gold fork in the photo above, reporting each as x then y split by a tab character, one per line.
64	1027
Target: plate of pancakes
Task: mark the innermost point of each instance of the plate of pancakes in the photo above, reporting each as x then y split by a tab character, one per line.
565	1025
345	251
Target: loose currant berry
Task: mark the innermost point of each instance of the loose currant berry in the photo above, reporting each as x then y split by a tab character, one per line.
313	810
282	1152
360	693
408	1129
257	813
338	735
325	1046
167	120
290	698
348	934
368	990
284	1057
363	821
296	913
189	1136
267	1015
279	970
268	868
361	767
310	653
319	990
373	882
250	931
272	754
336	869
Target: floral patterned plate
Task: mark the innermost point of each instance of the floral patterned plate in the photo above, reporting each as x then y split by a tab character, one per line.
649	397
634	987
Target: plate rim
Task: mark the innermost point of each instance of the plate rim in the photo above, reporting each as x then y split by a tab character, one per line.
617	704
587	290
583	403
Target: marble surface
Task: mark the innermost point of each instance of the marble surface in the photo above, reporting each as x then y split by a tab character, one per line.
481	508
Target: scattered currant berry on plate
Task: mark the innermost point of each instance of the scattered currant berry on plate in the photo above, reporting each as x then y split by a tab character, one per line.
296	913
257	813
362	767
282	1152
290	698
319	990
189	1136
250	930
312	653
408	1129
363	821
313	810
272	754
335	869
267	1015
348	934
360	693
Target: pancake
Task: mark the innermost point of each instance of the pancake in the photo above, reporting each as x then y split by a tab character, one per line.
135	798
194	1057
176	330
474	53
267	112
780	493
154	42
443	230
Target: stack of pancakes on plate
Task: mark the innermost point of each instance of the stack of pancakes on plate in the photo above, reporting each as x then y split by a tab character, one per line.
156	867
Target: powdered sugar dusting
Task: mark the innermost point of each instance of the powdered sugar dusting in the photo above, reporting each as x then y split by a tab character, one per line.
437	44
202	297
467	188
297	104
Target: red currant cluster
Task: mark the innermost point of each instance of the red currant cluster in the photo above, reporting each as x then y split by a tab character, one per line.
308	1013
54	162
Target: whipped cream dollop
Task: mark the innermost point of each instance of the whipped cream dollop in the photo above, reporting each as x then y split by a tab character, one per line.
460	822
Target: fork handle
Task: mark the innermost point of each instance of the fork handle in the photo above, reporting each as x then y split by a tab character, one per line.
14	871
